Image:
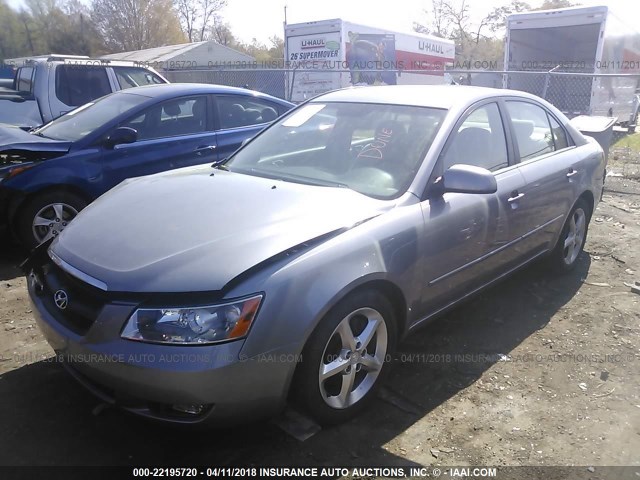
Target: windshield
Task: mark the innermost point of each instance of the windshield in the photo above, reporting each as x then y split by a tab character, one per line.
83	120
372	149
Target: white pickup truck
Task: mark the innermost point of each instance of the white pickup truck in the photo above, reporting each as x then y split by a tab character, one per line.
46	88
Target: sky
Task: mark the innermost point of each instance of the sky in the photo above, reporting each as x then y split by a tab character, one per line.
267	16
262	19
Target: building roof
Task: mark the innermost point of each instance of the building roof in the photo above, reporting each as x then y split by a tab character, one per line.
169	52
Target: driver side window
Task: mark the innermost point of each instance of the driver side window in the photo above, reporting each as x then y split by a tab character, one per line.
180	116
479	141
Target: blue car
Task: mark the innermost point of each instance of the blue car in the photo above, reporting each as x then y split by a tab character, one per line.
49	174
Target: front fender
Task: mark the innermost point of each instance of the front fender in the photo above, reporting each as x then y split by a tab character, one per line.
299	292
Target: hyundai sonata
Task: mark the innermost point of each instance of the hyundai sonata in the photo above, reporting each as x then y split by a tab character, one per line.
291	270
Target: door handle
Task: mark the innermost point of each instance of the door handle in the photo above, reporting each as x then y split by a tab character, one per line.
571	172
515	196
204	148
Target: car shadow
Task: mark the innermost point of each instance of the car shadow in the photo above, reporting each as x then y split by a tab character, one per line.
48	419
11	256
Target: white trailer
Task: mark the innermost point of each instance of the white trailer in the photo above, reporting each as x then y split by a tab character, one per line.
330	54
577	40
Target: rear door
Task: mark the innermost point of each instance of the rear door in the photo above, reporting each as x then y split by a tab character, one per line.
550	168
172	134
239	117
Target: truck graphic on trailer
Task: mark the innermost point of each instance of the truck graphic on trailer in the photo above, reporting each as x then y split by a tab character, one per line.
331	54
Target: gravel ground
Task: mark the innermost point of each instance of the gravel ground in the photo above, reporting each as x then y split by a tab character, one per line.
539	370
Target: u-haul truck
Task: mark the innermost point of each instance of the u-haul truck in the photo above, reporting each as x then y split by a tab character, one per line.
590	40
331	54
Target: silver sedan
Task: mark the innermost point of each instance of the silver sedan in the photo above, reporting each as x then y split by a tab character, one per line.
290	271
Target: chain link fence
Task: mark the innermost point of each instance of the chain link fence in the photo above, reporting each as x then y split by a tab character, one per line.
574	93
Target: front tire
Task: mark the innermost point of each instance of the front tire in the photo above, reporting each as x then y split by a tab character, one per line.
46	215
346	358
572	238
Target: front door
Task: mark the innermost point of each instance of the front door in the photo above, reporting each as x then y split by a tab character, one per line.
468	236
173	134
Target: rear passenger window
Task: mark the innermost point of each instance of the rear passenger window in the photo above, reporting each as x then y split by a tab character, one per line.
129	77
532	130
77	85
480	141
559	134
241	111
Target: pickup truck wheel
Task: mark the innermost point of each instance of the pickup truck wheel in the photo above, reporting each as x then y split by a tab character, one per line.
346	358
572	238
46	215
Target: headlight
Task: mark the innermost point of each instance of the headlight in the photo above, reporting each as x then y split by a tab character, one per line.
193	325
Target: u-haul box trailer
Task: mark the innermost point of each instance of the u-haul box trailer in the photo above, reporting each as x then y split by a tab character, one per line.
590	40
330	54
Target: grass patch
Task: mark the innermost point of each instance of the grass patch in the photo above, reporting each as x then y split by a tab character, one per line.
631	142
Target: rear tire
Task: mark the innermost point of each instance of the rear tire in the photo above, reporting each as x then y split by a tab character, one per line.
346	358
564	256
46	215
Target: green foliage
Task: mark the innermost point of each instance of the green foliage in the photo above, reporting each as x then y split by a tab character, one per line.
137	24
551	4
632	142
73	28
221	33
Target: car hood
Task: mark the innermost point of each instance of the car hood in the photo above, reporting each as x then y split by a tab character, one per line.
20	146
190	230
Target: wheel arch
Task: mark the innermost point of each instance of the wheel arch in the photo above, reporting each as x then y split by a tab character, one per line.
19	204
24	199
391	292
588	197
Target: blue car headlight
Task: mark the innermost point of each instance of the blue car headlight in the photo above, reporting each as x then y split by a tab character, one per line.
193	325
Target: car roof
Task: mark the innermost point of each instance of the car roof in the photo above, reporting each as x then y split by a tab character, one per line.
435	96
170	90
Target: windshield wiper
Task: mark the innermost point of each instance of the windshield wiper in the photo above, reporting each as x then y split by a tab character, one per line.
220	165
290	177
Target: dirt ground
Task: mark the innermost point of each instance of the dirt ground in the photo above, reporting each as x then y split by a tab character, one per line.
540	370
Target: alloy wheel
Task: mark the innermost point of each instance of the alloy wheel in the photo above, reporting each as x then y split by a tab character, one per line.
353	358
51	220
575	236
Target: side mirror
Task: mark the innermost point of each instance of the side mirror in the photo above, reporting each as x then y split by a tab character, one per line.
468	179
122	135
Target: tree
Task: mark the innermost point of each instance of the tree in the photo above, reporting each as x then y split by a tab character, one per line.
221	33
440	25
13	42
276	51
48	26
65	28
497	18
551	4
451	19
198	17
137	24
